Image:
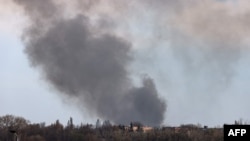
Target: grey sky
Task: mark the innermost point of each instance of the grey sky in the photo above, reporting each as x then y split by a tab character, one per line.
197	55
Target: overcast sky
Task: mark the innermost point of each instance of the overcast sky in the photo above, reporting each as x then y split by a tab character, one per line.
197	53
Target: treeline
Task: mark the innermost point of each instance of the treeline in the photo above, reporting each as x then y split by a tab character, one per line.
12	127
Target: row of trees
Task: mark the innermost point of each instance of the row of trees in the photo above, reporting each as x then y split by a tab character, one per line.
101	132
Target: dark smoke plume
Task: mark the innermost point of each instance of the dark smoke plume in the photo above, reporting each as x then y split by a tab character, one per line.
88	66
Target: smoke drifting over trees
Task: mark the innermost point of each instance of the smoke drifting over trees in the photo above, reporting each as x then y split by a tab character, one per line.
91	67
193	51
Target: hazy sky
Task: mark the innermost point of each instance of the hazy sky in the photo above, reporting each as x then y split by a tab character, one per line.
196	52
23	91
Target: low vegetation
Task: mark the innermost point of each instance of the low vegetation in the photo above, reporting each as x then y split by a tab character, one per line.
10	126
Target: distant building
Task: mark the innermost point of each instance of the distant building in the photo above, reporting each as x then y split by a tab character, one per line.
147	129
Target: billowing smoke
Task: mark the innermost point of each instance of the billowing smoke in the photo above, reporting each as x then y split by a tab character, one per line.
195	50
88	65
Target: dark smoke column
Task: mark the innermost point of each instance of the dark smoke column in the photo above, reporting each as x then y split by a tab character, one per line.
89	67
